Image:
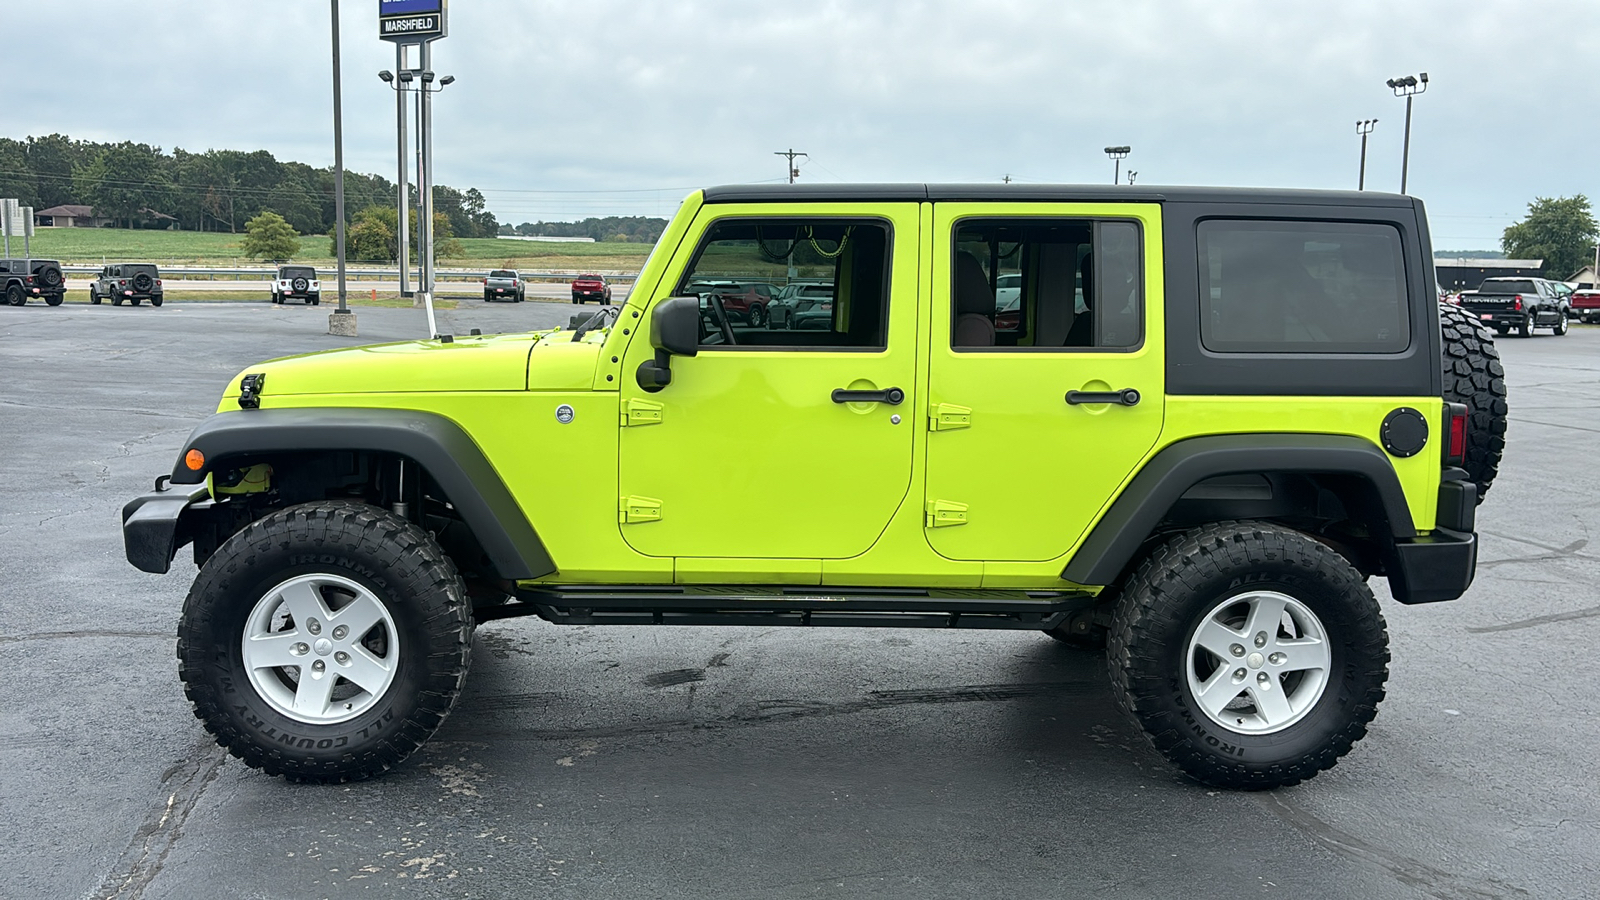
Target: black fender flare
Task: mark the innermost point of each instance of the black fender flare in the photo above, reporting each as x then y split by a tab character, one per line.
433	441
1133	516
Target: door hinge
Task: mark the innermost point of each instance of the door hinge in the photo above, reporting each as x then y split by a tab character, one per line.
637	510
949	417
941	513
640	412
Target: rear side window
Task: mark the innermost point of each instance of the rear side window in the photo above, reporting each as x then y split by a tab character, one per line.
1302	287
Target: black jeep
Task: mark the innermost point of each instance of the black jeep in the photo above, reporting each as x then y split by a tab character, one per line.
21	279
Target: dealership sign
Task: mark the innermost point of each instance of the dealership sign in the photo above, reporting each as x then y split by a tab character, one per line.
411	21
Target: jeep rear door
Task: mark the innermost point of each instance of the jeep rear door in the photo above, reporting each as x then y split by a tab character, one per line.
1041	410
752	452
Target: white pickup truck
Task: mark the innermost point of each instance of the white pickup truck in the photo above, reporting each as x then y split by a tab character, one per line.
503	284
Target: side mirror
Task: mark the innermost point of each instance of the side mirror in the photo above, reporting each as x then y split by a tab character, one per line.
674	331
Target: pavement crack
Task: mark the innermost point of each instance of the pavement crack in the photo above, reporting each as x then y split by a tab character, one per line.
1410	872
1552	618
141	861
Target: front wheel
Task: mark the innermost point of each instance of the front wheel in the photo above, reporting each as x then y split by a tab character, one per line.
325	642
1561	324
94	296
1252	656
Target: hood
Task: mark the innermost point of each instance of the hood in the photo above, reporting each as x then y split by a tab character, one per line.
541	360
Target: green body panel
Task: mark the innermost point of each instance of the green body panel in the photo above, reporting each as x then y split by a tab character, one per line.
743	469
1033	471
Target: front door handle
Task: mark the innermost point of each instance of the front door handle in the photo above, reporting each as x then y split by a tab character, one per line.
1124	397
891	396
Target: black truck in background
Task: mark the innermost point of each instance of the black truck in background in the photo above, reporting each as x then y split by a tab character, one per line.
1520	305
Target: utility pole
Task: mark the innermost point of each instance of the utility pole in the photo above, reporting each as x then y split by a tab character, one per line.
1408	87
1006	179
1364	127
1117	155
340	321
791	153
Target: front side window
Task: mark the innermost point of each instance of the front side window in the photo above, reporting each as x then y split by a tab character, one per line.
793	284
1302	287
1057	284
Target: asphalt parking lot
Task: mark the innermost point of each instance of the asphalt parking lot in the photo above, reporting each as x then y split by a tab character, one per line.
724	762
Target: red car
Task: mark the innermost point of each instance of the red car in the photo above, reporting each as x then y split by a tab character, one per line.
590	287
1586	306
746	301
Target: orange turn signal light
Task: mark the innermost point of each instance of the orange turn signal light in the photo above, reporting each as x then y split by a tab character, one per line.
195	460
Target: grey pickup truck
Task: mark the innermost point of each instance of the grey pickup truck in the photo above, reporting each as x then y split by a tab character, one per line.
503	284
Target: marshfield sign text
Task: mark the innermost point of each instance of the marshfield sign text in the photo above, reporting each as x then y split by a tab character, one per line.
411	21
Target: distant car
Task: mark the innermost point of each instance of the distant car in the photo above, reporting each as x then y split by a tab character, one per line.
590	287
795	299
746	301
1586	306
133	282
503	284
21	279
1007	291
299	283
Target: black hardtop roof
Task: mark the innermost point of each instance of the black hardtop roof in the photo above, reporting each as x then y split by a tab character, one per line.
778	193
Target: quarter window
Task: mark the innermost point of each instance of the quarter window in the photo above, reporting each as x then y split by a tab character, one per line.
1046	284
792	284
1302	287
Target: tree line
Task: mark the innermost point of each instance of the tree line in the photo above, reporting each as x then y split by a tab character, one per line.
218	190
622	229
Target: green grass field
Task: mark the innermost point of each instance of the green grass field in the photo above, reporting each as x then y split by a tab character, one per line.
95	246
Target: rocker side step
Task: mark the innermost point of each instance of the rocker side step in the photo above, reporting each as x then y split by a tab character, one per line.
790	605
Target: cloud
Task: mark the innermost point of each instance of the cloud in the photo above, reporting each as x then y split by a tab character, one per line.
601	98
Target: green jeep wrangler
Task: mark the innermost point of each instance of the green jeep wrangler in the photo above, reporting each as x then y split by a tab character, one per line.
1190	424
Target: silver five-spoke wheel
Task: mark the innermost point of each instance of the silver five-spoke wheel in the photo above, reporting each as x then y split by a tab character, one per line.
1258	662
320	648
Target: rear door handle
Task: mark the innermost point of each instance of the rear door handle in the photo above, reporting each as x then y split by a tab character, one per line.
891	396
1124	397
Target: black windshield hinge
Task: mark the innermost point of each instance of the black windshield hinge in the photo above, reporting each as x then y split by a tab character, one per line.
250	390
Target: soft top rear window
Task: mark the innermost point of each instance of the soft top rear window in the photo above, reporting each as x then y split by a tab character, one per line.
135	268
299	272
1302	287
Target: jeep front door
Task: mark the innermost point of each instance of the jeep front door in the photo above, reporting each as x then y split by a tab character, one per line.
778	443
1046	371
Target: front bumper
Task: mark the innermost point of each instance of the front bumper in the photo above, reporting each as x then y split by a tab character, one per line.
156	524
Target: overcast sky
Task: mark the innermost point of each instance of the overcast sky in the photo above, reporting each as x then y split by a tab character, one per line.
600	107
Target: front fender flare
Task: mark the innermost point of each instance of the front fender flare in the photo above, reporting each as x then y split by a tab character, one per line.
434	442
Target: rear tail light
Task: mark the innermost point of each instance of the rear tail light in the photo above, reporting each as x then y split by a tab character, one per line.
158	282
1517	303
486	281
122	282
1455	448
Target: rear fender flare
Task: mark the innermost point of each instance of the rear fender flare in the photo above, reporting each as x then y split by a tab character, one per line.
1115	540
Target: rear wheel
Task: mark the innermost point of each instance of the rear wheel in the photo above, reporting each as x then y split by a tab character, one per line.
134	301
15	296
156	301
1252	656
116	301
325	642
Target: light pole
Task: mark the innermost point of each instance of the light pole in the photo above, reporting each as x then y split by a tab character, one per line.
403	189
425	184
1408	87
1117	154
1364	127
341	322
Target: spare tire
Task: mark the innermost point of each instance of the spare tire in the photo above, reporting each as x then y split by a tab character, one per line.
300	284
143	282
49	275
1473	376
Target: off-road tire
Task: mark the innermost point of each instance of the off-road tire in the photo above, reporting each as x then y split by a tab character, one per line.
1186	577
401	565
157	301
94	296
53	299
116	301
15	295
49	275
1473	376
133	301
